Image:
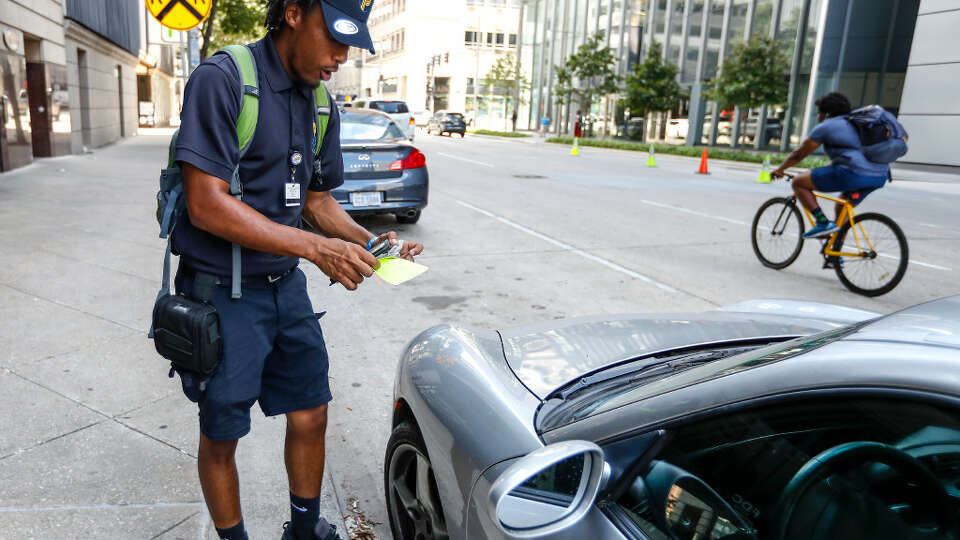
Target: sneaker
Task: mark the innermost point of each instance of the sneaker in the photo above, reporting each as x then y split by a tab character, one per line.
321	531
820	230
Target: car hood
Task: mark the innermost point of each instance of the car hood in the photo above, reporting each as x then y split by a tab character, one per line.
547	356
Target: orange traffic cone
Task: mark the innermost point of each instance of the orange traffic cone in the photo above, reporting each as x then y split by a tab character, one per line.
703	163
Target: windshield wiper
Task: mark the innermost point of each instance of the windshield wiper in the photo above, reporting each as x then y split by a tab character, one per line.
628	374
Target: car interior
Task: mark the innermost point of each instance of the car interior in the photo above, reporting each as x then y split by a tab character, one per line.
844	469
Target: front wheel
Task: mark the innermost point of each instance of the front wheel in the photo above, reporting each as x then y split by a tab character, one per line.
413	501
884	255
777	233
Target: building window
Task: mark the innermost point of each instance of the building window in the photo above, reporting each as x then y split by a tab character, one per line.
474	2
489	39
499	39
513	40
471	38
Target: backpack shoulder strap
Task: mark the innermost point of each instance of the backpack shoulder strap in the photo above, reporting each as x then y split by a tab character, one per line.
247	120
243	59
322	103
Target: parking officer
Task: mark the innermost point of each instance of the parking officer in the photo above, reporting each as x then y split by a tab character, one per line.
273	348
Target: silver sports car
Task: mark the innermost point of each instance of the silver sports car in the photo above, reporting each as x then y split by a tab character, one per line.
763	420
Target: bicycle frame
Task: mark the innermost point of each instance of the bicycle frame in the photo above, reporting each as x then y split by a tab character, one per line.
845	212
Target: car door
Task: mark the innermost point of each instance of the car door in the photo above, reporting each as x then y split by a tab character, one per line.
850	466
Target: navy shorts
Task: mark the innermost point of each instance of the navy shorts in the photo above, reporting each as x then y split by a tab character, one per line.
853	185
273	352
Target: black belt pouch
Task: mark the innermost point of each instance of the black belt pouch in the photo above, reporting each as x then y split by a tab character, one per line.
187	333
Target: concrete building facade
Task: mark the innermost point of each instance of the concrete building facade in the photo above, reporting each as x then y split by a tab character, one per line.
435	56
929	108
68	69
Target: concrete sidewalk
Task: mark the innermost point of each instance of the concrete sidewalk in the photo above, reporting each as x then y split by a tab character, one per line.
97	441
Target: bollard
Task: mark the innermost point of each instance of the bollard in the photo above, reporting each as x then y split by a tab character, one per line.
765	171
651	159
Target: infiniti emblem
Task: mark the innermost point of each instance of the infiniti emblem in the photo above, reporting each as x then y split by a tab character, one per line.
364	157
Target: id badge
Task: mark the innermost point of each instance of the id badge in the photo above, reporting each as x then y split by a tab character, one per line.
291	191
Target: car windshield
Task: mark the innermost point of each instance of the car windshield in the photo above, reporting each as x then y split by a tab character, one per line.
390	107
453	117
367	127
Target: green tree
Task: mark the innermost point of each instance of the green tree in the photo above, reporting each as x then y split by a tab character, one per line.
587	74
651	86
506	79
232	21
755	73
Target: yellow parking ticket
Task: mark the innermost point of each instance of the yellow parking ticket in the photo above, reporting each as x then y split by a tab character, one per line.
395	271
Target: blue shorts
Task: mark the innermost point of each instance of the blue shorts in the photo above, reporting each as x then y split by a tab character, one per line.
273	352
854	186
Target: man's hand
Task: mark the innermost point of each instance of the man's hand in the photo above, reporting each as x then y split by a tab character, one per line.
345	262
407	251
778	173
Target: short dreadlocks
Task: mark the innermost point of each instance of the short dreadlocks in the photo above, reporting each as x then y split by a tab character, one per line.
276	9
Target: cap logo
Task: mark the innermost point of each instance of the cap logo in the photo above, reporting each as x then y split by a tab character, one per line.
345	27
364	4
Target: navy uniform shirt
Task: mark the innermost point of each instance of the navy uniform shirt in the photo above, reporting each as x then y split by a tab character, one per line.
208	141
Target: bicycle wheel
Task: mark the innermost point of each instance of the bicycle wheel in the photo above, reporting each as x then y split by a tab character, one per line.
777	233
882	268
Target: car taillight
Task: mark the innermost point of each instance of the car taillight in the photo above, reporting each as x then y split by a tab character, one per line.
414	160
411	120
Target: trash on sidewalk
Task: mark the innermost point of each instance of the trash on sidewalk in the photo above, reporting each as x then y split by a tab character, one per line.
358	526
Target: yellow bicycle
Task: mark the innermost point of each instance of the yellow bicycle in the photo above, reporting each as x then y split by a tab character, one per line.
868	252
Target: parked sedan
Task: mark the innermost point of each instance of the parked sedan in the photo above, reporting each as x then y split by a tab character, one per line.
383	172
763	420
447	122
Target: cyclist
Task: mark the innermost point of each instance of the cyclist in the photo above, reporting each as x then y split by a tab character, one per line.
849	171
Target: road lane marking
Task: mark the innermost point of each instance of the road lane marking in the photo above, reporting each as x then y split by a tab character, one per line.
464	159
918	263
745	224
571	249
694	212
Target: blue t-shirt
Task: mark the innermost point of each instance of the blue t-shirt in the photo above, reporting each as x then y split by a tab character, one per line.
208	141
842	144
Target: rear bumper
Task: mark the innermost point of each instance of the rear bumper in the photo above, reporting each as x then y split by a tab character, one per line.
407	193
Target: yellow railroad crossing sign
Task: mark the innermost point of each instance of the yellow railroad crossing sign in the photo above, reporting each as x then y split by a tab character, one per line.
179	14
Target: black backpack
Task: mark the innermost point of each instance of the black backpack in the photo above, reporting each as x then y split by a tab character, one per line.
882	138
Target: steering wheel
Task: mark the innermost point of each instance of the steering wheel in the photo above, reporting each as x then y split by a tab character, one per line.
850	455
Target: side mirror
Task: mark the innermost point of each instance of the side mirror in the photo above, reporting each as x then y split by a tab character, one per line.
548	489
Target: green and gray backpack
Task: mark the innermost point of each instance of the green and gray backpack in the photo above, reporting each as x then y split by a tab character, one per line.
171	202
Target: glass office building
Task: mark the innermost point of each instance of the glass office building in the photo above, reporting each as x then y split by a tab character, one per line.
857	47
550	31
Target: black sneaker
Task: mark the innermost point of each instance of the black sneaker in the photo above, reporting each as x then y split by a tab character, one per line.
321	531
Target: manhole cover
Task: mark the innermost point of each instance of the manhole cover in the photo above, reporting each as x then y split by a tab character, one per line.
528	176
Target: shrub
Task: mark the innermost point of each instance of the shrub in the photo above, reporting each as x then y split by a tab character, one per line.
499	133
692	151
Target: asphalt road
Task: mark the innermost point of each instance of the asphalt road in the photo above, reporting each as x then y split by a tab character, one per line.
520	231
99	443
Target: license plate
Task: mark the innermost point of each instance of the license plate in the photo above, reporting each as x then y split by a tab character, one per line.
366	198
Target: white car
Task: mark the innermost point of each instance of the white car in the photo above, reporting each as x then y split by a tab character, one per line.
398	112
420	118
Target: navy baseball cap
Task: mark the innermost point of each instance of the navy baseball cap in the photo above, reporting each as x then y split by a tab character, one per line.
347	22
